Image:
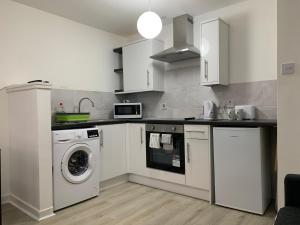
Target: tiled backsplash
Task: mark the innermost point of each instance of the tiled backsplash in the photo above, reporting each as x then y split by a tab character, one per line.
183	97
103	102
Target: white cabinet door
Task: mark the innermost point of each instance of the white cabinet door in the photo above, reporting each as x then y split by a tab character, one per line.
214	50
136	145
113	161
197	163
197	156
210	55
136	66
140	72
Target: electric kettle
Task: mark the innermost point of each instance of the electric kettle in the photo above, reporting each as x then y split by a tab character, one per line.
208	110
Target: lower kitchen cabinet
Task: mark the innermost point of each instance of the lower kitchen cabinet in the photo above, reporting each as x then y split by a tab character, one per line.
197	151
113	161
136	136
123	150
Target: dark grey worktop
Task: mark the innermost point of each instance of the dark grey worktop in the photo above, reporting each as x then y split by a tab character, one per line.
216	123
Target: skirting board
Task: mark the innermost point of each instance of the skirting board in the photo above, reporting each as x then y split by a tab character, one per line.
104	185
29	209
172	187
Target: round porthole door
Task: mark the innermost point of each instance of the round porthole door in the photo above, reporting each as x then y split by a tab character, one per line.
78	163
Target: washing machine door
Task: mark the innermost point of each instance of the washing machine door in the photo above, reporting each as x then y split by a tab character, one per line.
78	163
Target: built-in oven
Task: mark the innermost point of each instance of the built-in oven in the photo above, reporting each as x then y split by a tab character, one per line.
165	147
128	110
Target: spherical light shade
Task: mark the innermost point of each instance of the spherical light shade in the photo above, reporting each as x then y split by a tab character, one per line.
149	25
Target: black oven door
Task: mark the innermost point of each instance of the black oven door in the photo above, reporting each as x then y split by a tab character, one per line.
168	159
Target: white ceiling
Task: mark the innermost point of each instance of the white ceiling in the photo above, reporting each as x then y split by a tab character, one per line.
120	16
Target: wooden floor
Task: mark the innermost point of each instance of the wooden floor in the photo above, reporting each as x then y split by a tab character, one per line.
133	204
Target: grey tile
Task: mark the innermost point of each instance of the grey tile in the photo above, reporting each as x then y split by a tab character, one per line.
183	95
103	102
65	96
267	112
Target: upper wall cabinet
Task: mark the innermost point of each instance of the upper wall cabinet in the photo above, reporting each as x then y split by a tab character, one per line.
140	72
215	53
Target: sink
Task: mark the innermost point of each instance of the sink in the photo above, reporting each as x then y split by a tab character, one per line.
71	117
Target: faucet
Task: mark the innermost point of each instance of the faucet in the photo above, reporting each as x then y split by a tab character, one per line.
81	100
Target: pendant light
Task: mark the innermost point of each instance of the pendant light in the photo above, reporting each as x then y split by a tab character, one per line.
149	24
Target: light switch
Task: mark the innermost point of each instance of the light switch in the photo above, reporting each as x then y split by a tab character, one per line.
288	68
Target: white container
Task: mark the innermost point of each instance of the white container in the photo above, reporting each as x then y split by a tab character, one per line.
239	114
249	111
231	114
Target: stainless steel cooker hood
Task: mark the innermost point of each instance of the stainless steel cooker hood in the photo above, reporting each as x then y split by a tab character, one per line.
183	47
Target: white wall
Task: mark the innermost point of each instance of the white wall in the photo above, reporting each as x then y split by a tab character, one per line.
288	93
38	45
253	39
4	143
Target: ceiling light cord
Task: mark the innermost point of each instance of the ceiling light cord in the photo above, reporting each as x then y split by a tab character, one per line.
149	5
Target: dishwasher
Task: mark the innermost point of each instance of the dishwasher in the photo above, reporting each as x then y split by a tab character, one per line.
242	168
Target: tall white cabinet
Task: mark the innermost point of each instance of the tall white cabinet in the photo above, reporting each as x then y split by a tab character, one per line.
30	152
214	53
140	72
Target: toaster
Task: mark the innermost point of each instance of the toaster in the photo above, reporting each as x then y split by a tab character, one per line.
249	111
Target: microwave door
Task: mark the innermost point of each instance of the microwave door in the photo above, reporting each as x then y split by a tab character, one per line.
121	110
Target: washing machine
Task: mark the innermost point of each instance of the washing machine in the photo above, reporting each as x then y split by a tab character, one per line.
76	158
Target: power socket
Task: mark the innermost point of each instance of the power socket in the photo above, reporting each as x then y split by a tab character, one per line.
288	68
164	106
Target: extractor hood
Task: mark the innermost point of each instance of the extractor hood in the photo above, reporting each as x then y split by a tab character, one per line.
183	46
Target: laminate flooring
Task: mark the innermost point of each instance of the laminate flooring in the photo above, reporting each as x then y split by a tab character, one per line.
134	204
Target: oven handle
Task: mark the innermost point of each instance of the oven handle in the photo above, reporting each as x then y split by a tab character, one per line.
195	131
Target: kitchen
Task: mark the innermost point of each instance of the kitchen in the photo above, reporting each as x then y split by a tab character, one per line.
97	68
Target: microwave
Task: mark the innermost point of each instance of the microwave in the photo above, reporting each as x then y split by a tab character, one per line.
128	110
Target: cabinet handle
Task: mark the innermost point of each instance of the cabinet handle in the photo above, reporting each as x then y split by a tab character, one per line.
148	82
195	131
101	138
206	69
188	152
142	141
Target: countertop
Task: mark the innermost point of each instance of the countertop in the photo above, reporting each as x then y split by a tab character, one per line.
216	123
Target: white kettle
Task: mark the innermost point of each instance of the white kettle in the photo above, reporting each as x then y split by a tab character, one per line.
208	110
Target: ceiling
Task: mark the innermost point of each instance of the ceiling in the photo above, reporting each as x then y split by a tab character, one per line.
120	16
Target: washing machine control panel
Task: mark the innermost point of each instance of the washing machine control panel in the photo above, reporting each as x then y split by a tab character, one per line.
93	133
64	136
